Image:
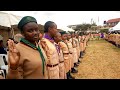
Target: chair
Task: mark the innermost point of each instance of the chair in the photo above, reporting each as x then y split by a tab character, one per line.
2	74
3	59
4	64
5	68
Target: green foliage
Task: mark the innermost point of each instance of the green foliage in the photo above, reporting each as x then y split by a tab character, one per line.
104	30
93	24
83	27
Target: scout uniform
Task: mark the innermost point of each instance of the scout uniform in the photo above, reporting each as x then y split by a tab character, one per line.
85	40
66	55
74	44
71	55
78	48
67	60
62	73
118	40
84	45
79	39
81	46
53	58
32	63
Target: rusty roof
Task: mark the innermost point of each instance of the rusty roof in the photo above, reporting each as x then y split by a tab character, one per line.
113	20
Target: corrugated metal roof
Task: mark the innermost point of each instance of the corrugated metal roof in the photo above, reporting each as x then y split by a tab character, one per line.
113	20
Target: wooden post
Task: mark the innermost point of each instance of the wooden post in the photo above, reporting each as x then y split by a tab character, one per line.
11	28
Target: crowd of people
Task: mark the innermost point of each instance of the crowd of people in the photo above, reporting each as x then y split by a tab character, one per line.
52	55
114	38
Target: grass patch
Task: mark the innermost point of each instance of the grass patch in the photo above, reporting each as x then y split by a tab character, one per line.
101	61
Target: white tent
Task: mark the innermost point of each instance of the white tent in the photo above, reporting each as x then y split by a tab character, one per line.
110	30
117	27
66	28
7	19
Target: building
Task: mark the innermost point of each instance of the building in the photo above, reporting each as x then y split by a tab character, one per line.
6	32
112	22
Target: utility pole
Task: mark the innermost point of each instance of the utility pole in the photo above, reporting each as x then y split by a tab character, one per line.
98	20
91	20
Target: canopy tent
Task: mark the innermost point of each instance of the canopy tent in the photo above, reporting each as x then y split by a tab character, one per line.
110	29
115	28
7	20
65	28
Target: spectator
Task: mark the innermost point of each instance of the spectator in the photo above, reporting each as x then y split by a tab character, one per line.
2	49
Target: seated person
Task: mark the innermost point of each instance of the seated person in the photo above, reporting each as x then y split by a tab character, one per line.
2	49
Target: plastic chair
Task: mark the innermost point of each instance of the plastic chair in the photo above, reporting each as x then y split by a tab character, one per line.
3	59
2	73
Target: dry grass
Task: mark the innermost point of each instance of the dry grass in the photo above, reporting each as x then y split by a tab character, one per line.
101	61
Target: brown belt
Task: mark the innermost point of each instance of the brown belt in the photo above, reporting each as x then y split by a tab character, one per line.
65	53
74	47
52	65
61	61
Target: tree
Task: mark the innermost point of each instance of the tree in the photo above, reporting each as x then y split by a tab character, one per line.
83	27
93	24
105	30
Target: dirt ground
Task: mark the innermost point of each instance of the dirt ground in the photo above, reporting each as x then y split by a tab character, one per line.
101	61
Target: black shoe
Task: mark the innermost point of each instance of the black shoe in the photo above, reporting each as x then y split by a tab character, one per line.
81	54
70	76
76	65
73	70
78	61
67	74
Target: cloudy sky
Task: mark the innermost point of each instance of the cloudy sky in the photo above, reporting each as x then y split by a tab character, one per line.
64	18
